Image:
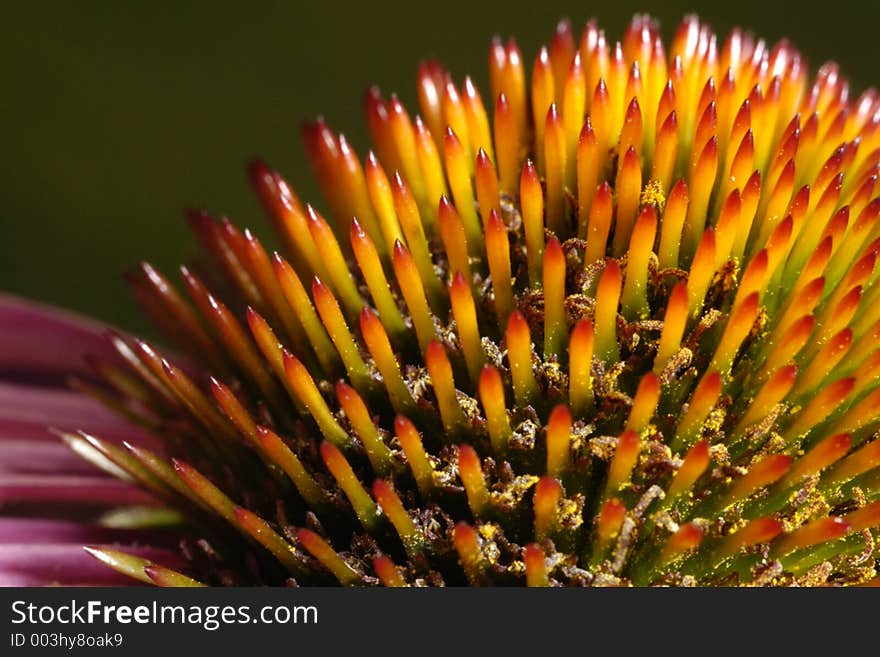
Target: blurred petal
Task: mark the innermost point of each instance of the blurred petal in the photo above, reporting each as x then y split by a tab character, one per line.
39	342
44	532
27	411
63	490
29	456
68	565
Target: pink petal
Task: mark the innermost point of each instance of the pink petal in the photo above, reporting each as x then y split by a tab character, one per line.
68	490
41	457
27	411
39	340
45	532
69	565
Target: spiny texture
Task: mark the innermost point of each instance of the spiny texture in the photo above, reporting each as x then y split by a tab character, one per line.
620	328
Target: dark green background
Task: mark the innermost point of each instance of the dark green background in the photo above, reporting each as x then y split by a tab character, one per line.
115	116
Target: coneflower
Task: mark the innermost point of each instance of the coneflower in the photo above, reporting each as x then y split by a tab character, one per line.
617	325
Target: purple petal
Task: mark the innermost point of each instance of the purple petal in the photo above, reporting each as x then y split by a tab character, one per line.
68	490
41	457
45	532
69	565
39	341
28	411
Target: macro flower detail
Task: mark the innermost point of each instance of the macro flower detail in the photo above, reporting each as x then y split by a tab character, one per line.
52	501
617	325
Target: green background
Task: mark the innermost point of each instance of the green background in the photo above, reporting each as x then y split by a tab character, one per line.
116	116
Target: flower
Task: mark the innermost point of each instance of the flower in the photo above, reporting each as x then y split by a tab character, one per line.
52	502
623	332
